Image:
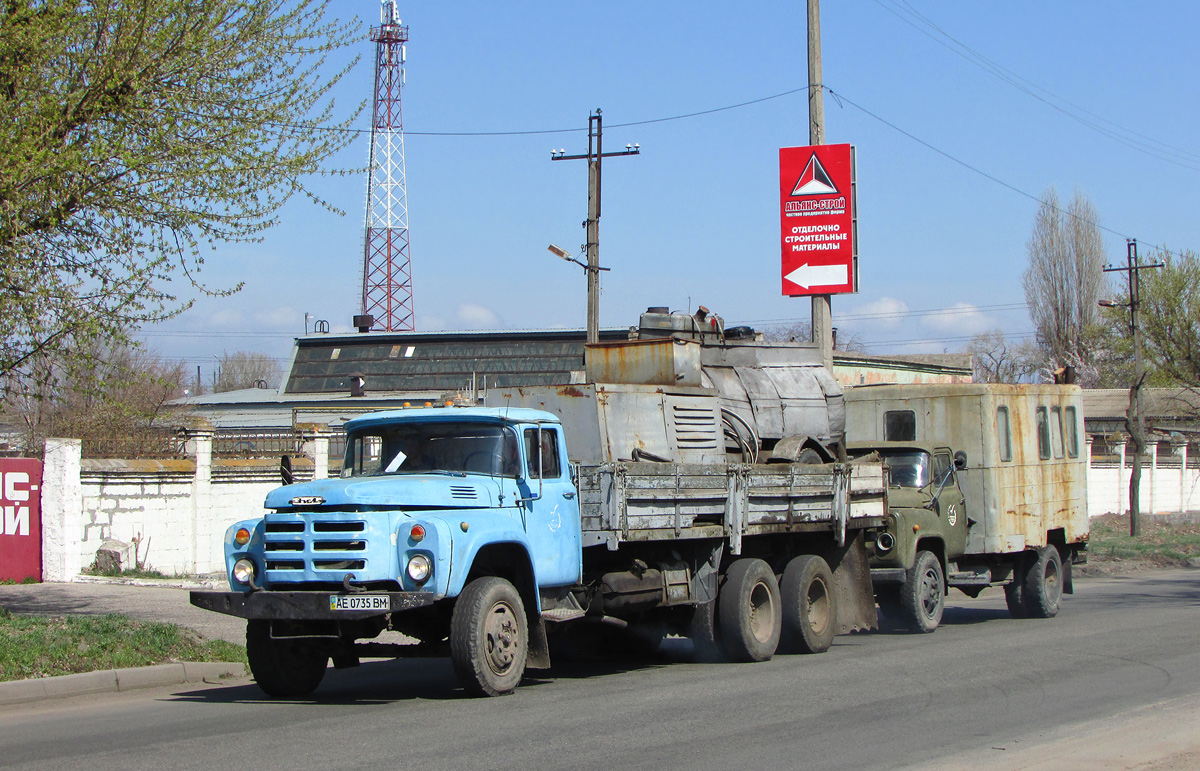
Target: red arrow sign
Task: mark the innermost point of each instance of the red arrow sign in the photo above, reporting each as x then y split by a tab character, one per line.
817	220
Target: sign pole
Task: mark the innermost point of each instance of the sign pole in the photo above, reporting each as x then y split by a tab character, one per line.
822	309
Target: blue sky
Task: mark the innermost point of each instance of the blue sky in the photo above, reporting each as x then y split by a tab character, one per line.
694	219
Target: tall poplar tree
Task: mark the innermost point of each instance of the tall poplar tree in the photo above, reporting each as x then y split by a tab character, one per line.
1064	283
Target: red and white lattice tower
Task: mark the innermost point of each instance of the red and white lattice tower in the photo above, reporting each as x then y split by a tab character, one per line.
387	272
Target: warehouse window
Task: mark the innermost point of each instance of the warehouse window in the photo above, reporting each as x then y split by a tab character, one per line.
1043	432
900	426
1072	430
1056	431
1004	434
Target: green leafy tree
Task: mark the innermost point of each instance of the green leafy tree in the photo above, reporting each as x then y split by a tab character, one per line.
133	135
1169	317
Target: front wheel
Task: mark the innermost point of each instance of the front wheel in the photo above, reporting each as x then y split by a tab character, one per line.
283	668
923	597
489	639
1044	583
749	611
809	610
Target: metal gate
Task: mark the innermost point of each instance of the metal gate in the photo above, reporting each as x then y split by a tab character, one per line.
20	519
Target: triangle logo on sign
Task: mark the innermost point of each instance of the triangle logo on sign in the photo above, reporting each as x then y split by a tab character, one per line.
814	180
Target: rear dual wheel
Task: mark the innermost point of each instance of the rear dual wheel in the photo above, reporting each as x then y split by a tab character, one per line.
749	611
1036	588
809	610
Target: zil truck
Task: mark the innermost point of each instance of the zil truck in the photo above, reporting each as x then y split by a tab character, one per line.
694	481
987	487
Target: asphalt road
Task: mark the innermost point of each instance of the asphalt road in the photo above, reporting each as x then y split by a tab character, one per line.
1121	660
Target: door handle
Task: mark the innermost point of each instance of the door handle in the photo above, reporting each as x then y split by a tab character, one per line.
569	495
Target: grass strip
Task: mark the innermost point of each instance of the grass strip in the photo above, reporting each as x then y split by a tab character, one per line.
35	646
1161	544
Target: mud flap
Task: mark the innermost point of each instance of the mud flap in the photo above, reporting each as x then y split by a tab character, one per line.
852	585
538	656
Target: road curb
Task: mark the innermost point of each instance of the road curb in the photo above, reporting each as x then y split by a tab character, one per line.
113	680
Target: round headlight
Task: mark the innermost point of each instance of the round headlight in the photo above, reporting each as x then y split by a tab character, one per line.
419	568
884	543
243	571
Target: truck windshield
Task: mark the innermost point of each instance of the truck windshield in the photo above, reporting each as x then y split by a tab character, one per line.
422	448
909	468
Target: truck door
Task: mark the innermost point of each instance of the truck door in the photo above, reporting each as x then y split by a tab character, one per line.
552	512
952	505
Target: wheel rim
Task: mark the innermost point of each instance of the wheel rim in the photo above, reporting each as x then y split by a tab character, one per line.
1050	579
931	592
501	638
762	613
818	606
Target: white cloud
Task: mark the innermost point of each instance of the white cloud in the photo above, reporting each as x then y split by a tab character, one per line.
226	319
282	318
960	318
431	324
884	313
477	316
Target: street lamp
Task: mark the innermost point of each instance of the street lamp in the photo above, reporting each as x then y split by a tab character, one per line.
593	294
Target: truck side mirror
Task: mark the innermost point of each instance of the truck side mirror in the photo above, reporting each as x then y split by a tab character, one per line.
960	460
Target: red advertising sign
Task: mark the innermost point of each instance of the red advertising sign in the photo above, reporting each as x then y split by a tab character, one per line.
20	519
817	220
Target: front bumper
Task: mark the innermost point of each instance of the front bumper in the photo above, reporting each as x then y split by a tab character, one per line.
302	606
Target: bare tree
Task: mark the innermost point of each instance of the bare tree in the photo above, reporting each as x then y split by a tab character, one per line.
996	360
802	331
114	398
245	369
1064	283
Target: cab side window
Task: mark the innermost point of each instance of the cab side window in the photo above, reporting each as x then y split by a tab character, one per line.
547	453
943	467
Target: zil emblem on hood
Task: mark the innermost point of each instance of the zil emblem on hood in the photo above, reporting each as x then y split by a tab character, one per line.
307	500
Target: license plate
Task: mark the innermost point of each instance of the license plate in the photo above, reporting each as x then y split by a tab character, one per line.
360	602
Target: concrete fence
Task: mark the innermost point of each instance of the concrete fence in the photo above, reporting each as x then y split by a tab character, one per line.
173	512
176	511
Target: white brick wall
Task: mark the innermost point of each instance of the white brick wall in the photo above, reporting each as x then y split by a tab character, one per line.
179	510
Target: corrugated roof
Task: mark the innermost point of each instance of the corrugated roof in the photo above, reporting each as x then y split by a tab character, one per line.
438	361
1112	403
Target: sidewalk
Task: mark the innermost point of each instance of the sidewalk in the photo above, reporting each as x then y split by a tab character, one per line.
164	600
146	600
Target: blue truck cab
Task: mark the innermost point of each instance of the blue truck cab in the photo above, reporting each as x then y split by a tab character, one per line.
445	524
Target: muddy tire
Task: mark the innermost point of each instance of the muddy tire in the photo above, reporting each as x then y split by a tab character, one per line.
809	609
1014	597
749	611
489	637
923	596
1044	584
702	630
284	669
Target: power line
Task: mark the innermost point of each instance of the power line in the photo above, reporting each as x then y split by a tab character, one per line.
1128	137
901	314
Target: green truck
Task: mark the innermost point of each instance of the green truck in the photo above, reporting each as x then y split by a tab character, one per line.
987	487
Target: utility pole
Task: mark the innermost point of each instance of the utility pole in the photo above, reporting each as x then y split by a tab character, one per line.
1135	420
595	154
822	309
